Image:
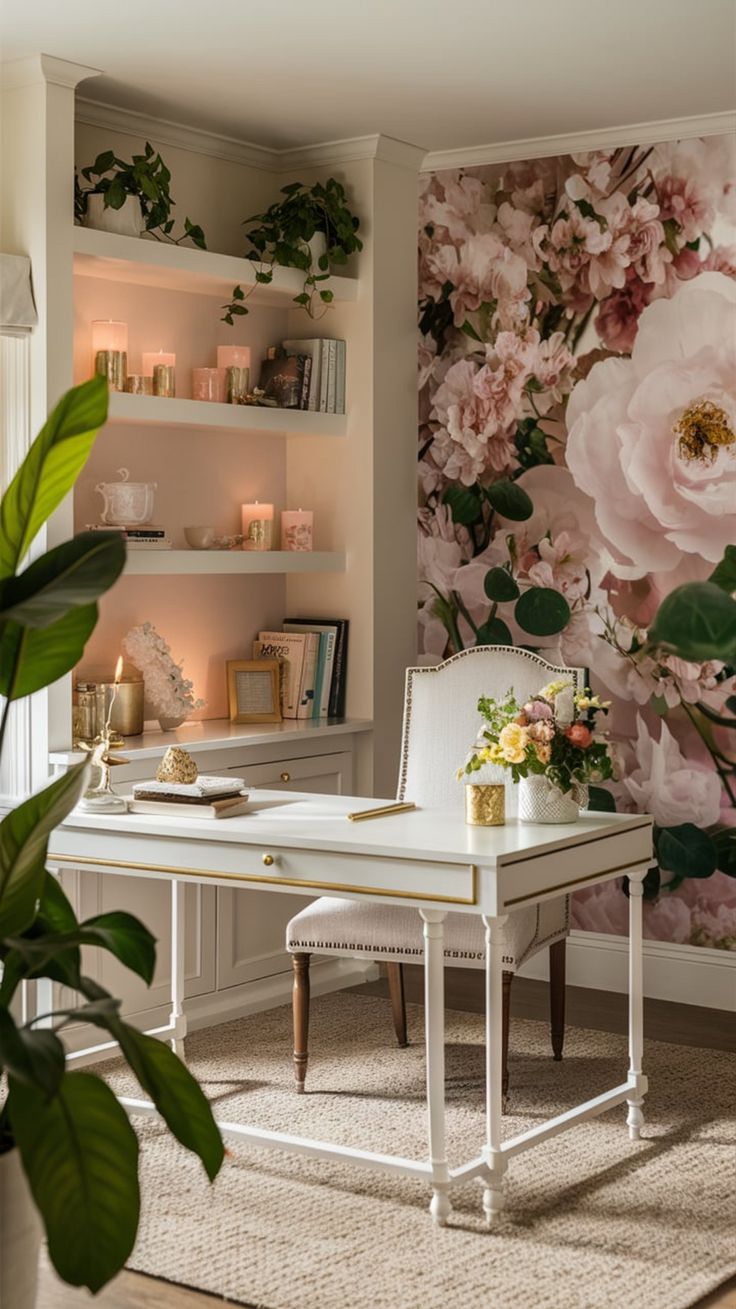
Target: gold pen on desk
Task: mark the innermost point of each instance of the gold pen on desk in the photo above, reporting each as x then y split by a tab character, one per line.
382	812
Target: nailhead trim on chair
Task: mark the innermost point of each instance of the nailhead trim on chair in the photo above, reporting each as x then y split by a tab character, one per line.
308	947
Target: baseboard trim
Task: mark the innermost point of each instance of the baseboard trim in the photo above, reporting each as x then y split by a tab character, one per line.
687	974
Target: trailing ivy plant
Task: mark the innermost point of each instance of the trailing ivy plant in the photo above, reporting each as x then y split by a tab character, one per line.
145	177
76	1143
281	236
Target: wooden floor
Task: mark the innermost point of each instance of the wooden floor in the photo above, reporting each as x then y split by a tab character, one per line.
680	1024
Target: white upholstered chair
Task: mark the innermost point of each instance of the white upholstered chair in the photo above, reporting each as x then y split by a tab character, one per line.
440	724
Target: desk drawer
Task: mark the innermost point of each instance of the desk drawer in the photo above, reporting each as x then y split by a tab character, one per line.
329	874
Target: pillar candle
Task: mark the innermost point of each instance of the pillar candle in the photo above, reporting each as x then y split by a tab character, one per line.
296	529
109	335
233	356
209	384
157	357
257	526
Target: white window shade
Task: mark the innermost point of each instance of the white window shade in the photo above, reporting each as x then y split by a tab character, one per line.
18	314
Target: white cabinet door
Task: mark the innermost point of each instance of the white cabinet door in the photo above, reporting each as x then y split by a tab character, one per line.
251	925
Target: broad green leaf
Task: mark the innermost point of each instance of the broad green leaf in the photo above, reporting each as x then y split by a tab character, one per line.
696	621
465	504
686	851
35	1058
509	500
54	915
724	573
600	800
126	938
73	574
24	834
31	658
499	585
542	611
494	632
50	469
80	1155
725	844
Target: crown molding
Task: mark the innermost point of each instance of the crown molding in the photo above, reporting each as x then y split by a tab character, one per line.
166	132
44	68
667	129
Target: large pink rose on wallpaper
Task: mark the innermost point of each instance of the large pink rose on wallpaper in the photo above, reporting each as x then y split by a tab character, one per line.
578	438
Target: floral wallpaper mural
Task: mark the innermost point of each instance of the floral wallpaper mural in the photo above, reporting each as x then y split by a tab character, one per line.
577	468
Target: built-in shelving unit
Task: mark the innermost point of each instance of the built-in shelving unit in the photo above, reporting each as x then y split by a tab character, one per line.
181	268
162	563
157	411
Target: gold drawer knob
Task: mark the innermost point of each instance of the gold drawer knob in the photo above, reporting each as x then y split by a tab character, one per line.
286	777
268	860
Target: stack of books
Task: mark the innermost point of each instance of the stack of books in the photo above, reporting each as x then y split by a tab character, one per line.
313	656
208	797
306	375
148	537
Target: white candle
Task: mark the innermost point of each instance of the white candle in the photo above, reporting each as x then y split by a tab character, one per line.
257	526
297	529
107	334
157	357
233	356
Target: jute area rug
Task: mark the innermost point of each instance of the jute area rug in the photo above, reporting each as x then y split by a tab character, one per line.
594	1222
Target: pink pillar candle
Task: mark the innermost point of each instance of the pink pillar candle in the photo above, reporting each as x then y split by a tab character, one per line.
108	334
233	356
257	526
297	529
157	357
209	384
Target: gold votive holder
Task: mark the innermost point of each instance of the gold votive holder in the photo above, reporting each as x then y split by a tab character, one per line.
138	384
259	534
112	364
237	384
164	379
485	804
127	711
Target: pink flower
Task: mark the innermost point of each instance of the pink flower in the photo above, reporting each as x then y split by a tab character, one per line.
721	259
537	709
579	735
542	731
617	320
647	251
571	244
687	264
667	786
471	439
562	565
688	203
481	270
654	497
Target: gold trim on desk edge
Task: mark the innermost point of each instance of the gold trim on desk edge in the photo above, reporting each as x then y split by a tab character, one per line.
568	886
80	861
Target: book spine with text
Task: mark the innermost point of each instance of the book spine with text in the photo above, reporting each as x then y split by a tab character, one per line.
309	670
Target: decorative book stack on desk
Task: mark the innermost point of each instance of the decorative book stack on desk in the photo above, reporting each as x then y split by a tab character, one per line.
208	797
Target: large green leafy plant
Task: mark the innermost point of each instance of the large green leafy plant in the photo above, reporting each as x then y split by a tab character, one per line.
78	1148
146	177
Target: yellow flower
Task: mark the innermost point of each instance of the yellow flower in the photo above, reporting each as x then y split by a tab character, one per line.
512	740
552	689
543	752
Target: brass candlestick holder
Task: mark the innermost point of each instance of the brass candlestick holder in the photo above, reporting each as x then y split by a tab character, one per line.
99	796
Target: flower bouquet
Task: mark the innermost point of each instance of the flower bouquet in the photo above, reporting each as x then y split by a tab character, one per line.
551	744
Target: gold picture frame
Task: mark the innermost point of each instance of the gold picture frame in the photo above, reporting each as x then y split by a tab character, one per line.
253	690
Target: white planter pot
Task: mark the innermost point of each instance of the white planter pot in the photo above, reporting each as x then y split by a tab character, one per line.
20	1236
125	221
317	247
541	802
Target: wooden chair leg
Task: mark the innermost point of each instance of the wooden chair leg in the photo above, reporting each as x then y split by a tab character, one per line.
395	974
300	1007
507	980
557	996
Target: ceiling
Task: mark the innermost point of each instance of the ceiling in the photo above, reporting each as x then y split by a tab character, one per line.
438	74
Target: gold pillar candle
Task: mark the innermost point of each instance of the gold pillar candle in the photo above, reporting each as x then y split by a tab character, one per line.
164	380
485	804
139	384
237	384
112	364
257	520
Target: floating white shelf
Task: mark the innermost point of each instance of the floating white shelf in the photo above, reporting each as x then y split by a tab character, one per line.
180	268
157	411
153	563
221	734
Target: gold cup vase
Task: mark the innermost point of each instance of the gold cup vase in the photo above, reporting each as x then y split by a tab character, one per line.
485	804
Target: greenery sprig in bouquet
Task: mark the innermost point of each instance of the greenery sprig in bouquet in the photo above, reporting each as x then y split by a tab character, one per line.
555	733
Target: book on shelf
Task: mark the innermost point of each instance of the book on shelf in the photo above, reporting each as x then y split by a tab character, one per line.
336	694
308	688
309	349
325	663
290	647
323	383
146	537
225	808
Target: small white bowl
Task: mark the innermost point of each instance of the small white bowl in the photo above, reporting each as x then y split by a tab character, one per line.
200	538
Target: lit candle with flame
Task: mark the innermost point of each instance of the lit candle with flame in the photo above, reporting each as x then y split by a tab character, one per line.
116	683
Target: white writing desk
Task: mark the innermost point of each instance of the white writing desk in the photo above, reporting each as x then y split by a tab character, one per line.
428	859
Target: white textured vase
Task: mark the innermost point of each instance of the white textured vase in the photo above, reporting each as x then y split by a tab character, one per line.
125	221
20	1236
541	802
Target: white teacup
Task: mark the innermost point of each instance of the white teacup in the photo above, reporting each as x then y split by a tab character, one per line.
200	538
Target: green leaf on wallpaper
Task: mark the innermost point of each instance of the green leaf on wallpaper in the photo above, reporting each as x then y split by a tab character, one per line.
725	844
465	504
724	574
509	500
494	632
499	585
685	851
470	331
542	611
600	800
696	621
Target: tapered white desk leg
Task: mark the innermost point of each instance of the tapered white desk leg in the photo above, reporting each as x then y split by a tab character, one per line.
635	1116
434	1019
178	1018
493	1200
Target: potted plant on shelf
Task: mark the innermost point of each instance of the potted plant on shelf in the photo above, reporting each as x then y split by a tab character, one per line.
67	1149
131	198
311	229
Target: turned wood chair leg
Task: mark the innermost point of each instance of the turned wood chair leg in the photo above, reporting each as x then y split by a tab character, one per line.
557	996
507	980
300	1007
395	974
